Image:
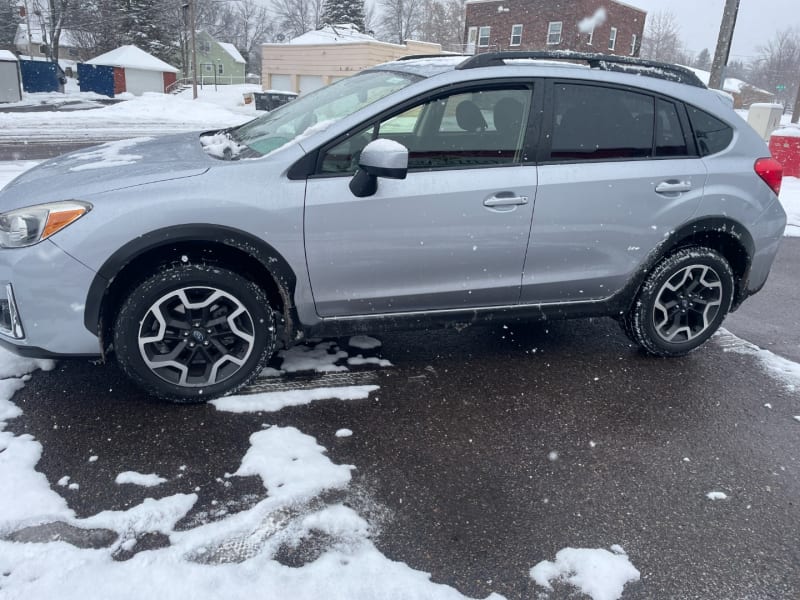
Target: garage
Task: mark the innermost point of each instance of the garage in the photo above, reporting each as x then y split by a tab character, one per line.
10	89
136	71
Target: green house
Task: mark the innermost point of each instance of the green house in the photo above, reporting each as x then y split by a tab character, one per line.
218	62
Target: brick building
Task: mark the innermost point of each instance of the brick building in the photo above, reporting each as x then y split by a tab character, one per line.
608	26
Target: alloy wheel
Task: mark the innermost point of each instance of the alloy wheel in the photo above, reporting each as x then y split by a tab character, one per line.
196	336
687	303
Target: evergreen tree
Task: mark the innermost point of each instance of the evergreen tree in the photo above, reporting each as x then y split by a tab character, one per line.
703	60
140	22
335	12
9	17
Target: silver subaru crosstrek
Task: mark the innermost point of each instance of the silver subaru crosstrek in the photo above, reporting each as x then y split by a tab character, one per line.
423	191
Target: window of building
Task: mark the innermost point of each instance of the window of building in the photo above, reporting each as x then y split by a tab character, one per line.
219	69
483	36
208	68
600	123
554	32
516	35
612	40
634	40
591	37
204	46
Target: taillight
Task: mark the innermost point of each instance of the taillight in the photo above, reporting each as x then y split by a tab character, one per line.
771	171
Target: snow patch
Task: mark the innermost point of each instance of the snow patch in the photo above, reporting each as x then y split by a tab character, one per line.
109	155
598	573
786	371
717	496
145	480
364	342
221	145
321	358
344	433
275	401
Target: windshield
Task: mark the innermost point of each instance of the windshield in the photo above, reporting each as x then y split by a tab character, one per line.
317	110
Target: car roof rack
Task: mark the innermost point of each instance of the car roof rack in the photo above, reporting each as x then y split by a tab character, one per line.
441	55
604	62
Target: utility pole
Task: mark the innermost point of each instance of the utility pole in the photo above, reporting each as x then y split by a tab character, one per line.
796	111
192	24
723	50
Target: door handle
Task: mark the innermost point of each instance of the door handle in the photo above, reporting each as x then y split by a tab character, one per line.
673	187
505	201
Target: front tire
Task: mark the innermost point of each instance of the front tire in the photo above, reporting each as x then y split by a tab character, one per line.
682	302
193	332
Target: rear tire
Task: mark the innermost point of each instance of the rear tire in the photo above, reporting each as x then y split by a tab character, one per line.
683	301
193	332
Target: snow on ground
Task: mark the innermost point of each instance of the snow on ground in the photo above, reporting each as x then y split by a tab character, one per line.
274	401
717	496
784	370
236	553
149	114
598	573
790	198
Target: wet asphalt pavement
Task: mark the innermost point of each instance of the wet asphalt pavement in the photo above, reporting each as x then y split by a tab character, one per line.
453	453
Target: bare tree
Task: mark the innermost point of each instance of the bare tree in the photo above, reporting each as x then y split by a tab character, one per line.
402	19
662	38
777	67
298	16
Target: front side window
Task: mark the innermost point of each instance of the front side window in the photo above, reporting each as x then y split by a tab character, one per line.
483	36
516	35
612	40
598	123
554	32
461	130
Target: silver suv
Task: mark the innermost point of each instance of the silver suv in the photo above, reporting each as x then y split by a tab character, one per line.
422	191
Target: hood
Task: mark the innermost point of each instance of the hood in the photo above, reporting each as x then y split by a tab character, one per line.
108	167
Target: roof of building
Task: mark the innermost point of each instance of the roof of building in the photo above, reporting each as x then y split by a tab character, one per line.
131	57
6	55
231	49
345	33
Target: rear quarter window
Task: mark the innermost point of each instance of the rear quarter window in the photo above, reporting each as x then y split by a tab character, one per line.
712	134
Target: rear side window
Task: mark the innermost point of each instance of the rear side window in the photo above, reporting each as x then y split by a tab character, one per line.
599	123
712	134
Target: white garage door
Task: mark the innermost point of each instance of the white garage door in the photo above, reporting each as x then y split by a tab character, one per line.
309	83
282	83
138	81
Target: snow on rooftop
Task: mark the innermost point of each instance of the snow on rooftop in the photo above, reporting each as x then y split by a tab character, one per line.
731	85
231	49
334	34
133	58
7	55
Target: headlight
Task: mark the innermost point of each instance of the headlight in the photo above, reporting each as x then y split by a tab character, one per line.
31	225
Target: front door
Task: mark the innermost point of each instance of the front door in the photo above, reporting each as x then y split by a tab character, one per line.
452	235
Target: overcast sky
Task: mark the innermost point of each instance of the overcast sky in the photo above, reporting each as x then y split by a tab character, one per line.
699	21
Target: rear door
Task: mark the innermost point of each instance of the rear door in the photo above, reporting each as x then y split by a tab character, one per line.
618	172
453	234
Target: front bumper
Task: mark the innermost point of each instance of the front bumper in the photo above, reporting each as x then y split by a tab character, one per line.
49	294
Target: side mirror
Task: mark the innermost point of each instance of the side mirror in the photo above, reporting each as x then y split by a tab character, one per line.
379	158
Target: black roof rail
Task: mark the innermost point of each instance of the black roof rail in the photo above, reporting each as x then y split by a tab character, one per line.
605	62
441	55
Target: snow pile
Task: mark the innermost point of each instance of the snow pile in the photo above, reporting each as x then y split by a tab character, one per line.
132	477
600	574
790	199
322	358
221	145
109	155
